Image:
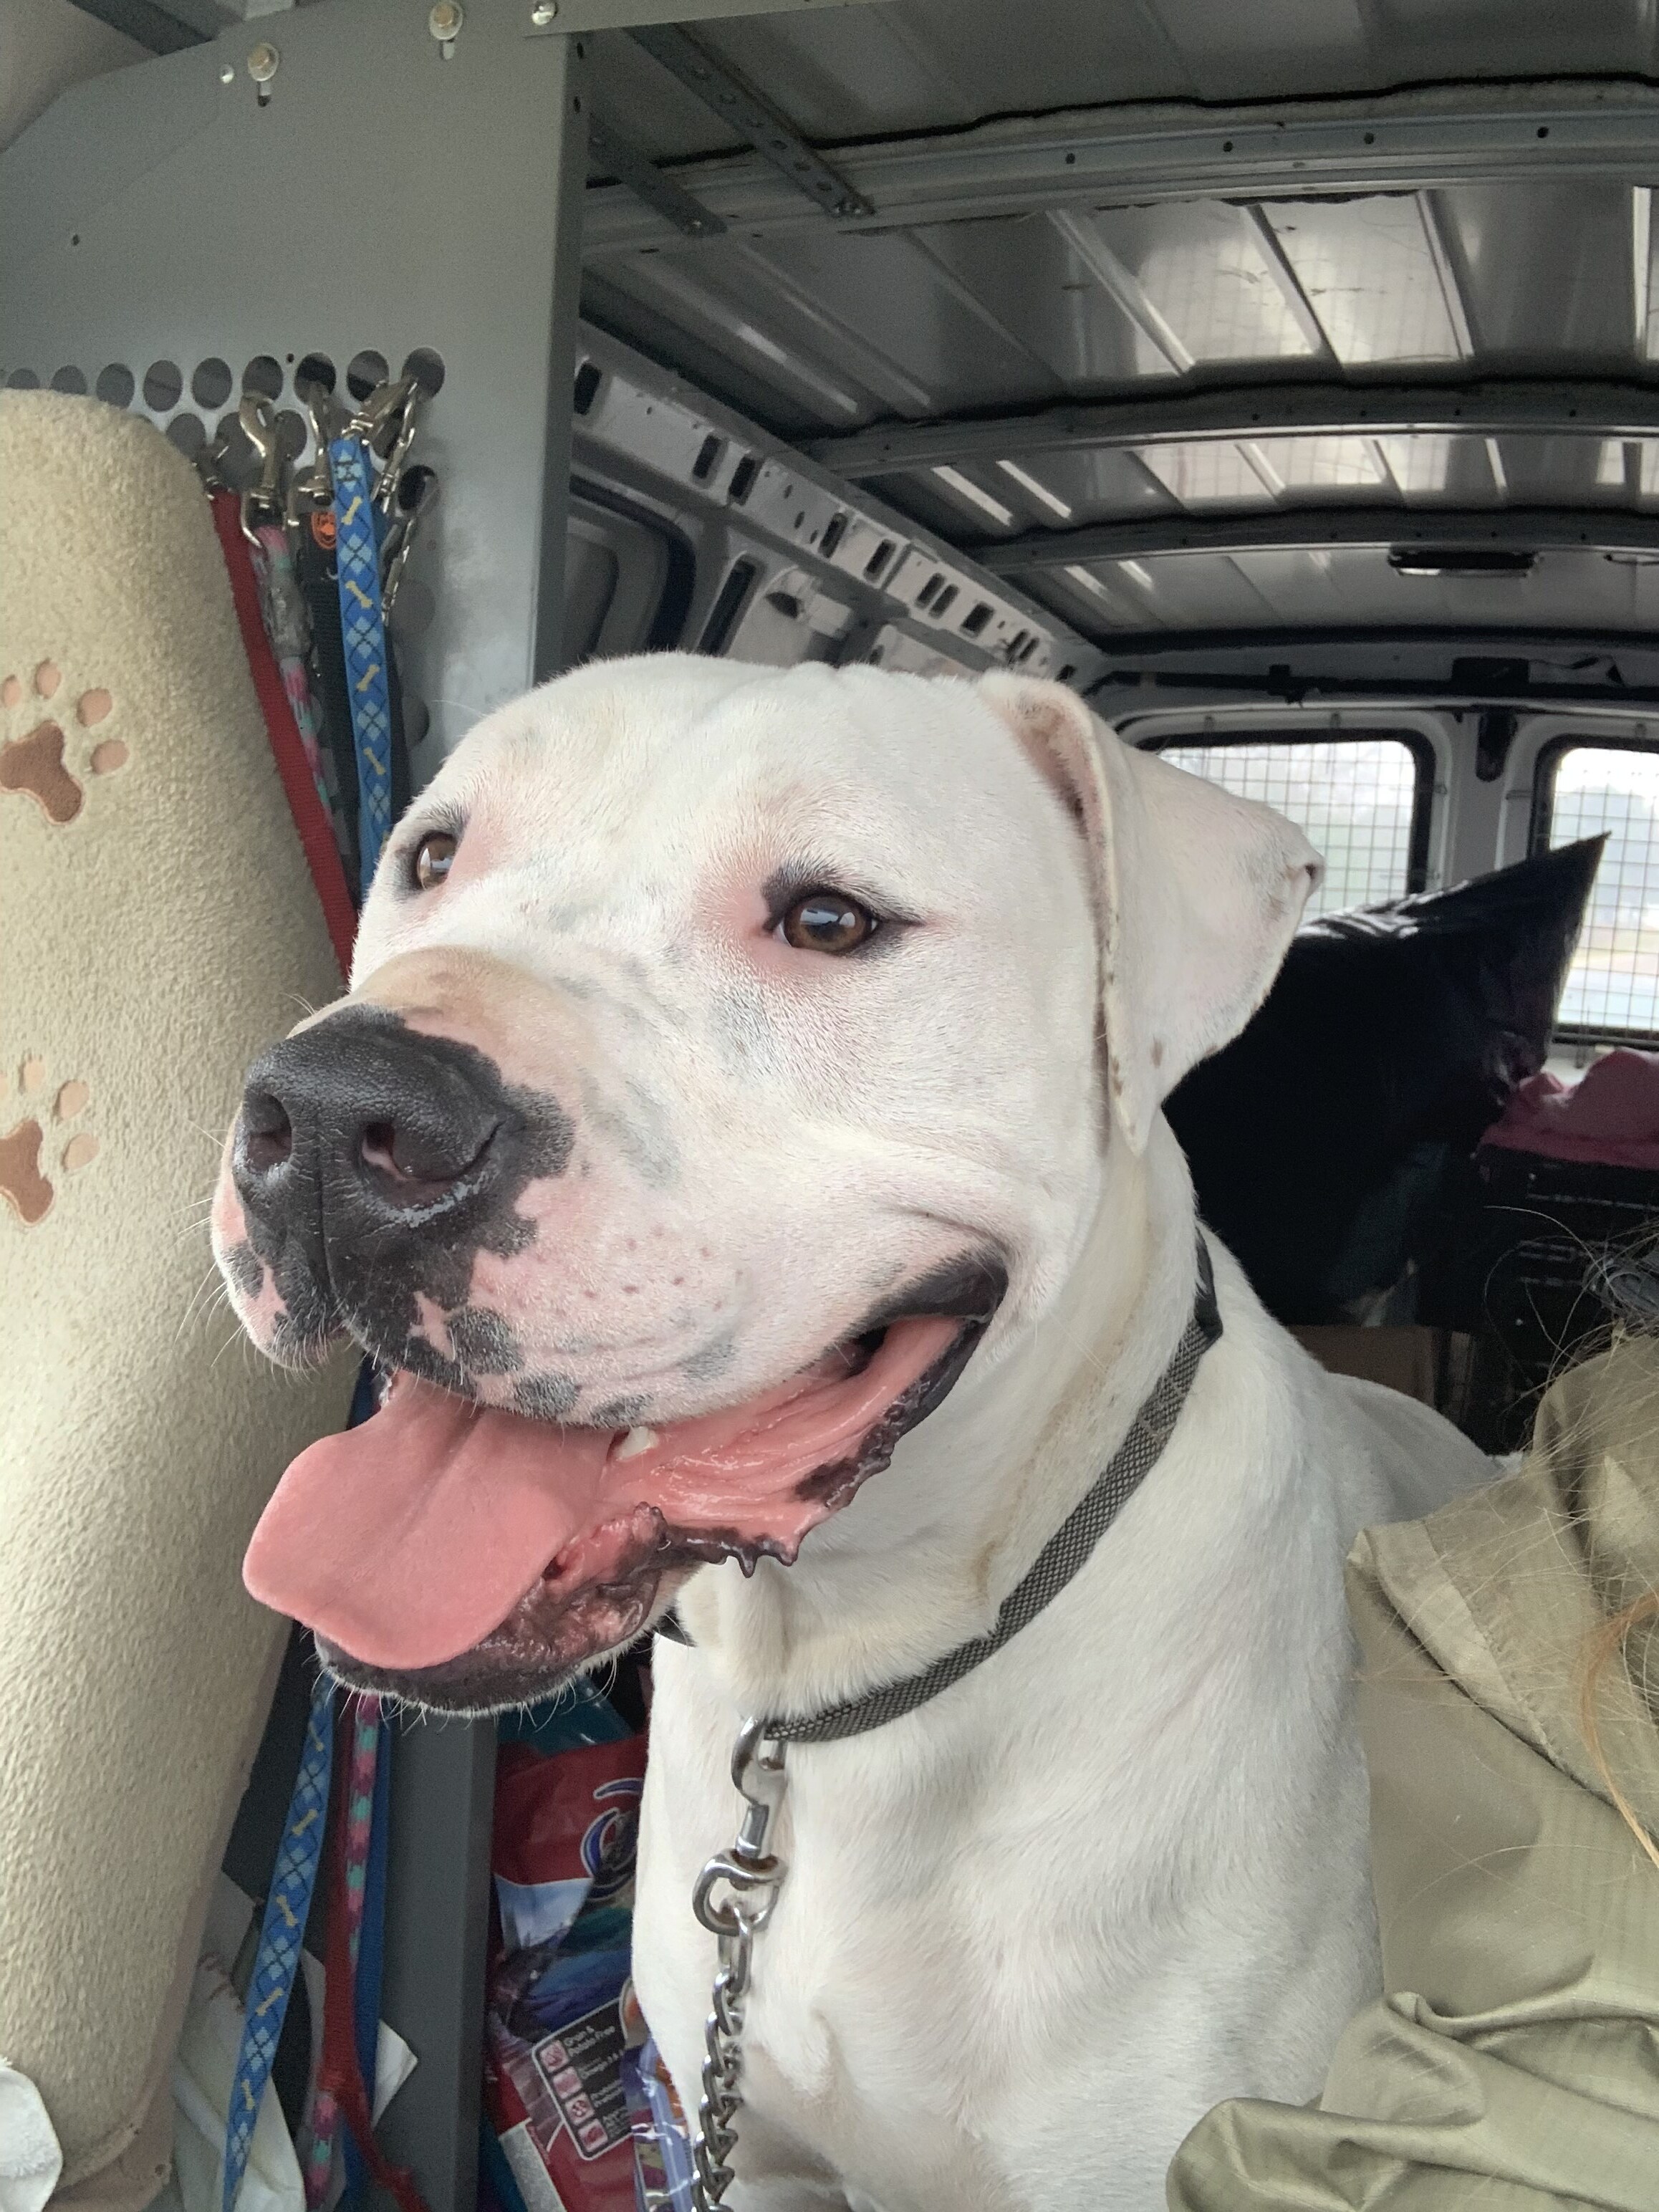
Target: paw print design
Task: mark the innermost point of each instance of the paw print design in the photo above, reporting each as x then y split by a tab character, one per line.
46	1128
36	763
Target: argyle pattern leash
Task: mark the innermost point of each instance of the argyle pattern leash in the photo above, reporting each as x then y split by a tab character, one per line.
363	634
277	1960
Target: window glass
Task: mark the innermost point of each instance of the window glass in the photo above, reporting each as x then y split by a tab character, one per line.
1355	800
1613	982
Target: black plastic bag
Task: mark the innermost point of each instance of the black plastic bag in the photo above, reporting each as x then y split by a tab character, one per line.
1321	1140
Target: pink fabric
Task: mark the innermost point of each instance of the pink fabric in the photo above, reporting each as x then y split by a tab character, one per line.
1610	1115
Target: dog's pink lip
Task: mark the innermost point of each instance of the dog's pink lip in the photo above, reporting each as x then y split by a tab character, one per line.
425	1533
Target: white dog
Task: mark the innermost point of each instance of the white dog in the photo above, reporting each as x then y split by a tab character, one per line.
737	1063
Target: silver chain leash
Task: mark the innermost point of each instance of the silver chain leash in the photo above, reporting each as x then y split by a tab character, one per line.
752	1877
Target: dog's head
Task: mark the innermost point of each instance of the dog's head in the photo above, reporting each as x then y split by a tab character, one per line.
723	1062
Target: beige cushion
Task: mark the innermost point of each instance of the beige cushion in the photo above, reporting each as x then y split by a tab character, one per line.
157	928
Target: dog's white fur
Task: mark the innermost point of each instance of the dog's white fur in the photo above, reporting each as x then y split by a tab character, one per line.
1031	1932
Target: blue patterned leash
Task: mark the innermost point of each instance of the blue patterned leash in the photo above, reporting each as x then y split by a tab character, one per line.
281	1934
362	628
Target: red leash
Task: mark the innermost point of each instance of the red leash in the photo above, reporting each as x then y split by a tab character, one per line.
339	2073
316	833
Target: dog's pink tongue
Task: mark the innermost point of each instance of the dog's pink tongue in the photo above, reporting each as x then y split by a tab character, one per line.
406	1540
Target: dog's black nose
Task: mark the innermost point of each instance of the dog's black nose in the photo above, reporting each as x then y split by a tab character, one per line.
358	1122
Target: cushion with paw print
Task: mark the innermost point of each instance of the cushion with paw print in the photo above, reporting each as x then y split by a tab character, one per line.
158	926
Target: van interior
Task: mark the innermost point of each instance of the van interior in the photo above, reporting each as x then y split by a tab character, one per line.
1280	378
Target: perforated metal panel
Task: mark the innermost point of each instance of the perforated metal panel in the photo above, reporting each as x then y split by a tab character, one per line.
164	230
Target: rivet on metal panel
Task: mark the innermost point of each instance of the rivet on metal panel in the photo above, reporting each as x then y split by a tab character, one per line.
263	64
445	23
226	75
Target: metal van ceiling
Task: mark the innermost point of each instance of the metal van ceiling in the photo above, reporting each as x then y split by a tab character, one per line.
1379	355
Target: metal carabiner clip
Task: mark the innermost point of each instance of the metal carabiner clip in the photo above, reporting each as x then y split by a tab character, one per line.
260	427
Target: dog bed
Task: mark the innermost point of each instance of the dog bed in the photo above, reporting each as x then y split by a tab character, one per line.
158	926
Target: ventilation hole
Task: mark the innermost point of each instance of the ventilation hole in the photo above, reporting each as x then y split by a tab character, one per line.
743	479
364	371
316	372
975	619
189	433
69	379
786	602
946	600
1028	649
23	379
413	484
835	531
292	432
878	560
263	376
115	384
1064	675
707	453
931	590
1018	643
589	377
210	386
427	367
413	610
163	386
723	615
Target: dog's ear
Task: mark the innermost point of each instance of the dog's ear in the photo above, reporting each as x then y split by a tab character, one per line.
1198	893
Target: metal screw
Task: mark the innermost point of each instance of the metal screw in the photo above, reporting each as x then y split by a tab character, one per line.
543	12
226	75
445	20
264	61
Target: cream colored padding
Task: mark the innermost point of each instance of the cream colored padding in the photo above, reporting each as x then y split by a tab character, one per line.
157	928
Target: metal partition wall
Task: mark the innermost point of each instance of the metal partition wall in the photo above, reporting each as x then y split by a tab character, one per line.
375	196
378	194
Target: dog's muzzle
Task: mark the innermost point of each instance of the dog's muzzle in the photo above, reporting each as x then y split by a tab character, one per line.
363	1145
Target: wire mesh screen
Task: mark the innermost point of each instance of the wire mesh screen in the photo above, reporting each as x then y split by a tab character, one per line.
1354	799
1613	982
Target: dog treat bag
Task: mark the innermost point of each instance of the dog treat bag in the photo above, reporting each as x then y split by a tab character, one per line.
566	1816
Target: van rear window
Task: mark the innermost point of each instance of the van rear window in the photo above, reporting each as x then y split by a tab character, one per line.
1612	986
1363	801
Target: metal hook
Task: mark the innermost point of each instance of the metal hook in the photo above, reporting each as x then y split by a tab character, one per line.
258	420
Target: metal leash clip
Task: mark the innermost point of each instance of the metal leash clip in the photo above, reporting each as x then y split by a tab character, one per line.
380	419
416	496
266	498
752	1877
312	489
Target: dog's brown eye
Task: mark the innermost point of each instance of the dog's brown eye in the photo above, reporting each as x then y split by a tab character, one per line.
431	858
828	921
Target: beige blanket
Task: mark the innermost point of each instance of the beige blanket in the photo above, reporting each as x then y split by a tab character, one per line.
157	928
